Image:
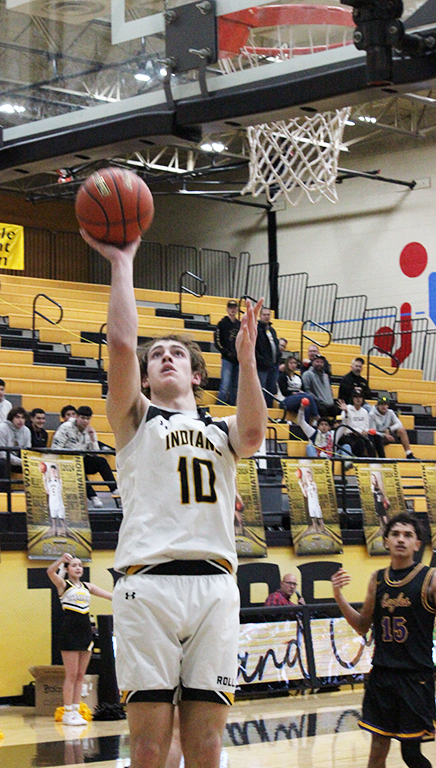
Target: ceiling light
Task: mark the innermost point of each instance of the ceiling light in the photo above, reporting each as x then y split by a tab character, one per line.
143	77
206	147
349	122
163	71
218	146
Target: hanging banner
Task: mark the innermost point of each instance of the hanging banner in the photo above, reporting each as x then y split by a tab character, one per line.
273	651
381	497
11	246
56	506
249	528
313	509
429	478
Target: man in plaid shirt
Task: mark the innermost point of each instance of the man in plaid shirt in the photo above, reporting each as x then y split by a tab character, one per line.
282	596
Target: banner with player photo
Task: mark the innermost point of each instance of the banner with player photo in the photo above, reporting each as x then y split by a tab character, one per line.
313	509
381	497
56	506
429	479
249	528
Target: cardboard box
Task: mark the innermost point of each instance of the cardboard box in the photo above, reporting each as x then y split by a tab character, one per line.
48	689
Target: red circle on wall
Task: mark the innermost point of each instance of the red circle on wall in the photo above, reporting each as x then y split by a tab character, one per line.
413	259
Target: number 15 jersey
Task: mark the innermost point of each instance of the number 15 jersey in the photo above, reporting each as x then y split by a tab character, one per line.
177	481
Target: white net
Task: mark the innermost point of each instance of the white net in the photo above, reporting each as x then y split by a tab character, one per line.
296	157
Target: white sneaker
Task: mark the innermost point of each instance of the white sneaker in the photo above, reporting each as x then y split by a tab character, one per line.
73	718
96	502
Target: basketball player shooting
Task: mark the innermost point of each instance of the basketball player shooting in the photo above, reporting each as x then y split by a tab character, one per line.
176	607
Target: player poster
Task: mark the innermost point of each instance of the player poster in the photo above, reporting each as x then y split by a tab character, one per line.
56	504
381	497
429	478
313	510
249	528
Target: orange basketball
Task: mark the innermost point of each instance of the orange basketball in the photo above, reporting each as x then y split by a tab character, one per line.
114	206
298	474
42	467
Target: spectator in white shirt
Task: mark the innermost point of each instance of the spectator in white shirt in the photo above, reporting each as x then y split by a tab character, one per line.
388	427
357	418
5	405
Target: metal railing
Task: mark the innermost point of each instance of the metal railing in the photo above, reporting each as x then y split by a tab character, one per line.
309	338
185	289
36	313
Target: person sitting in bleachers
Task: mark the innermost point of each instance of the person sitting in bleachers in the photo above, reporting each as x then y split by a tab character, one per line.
68	412
352	380
317	382
388	427
5	405
291	387
13	434
36	423
78	434
357	418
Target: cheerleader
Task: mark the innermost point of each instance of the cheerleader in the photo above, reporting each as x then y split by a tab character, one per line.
76	633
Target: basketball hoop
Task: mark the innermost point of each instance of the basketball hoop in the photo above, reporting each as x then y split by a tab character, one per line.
297	156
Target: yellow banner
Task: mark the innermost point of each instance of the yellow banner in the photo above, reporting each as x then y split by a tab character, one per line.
57	510
11	246
249	529
381	496
313	510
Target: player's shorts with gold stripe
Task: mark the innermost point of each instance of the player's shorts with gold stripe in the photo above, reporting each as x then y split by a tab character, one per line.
177	631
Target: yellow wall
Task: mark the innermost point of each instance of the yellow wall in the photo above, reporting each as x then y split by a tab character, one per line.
25	626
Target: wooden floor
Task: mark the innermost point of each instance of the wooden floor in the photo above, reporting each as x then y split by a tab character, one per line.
304	731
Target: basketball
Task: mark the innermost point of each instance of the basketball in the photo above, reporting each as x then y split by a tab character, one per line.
115	206
304	401
298	474
372	431
42	467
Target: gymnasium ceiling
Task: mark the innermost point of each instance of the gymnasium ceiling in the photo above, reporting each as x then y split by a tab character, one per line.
70	99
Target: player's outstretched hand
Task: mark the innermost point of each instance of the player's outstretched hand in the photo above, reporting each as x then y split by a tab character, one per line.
247	334
340	579
111	252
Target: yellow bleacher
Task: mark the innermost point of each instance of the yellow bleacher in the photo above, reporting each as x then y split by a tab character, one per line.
85	306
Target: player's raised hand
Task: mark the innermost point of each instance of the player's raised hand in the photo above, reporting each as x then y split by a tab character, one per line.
111	252
340	579
247	334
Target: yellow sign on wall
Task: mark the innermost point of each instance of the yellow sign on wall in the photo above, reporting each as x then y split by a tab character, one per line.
11	246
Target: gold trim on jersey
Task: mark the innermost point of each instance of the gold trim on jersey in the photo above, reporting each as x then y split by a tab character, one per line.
83	611
425	735
425	591
221	565
406	579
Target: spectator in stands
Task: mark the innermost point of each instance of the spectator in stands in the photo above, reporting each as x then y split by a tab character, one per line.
317	382
68	412
39	435
13	434
282	596
388	427
322	439
78	434
5	405
291	388
267	356
283	352
353	380
312	352
224	338
357	418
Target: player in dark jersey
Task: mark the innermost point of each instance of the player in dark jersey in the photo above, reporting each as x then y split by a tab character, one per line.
400	604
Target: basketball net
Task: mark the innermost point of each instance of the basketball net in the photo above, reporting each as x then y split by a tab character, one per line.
297	156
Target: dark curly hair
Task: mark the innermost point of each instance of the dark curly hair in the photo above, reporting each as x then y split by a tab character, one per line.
197	360
405	519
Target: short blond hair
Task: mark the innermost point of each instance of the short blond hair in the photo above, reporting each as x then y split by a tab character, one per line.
197	360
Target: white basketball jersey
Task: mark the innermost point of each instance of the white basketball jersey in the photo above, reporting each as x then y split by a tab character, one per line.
177	479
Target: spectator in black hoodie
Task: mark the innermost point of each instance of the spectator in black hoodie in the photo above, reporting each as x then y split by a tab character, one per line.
224	338
354	380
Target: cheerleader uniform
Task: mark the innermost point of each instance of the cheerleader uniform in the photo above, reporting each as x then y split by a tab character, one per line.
76	632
